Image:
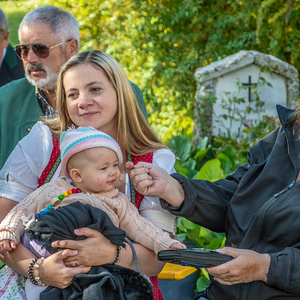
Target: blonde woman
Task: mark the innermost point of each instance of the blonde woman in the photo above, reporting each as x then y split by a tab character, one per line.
92	90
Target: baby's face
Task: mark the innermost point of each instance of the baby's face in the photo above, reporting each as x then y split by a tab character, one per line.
101	172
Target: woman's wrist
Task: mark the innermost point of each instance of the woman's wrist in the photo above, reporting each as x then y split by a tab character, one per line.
117	258
34	271
126	258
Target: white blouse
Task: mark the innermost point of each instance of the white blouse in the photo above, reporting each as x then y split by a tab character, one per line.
23	168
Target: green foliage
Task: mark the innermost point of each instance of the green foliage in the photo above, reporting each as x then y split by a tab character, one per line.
202	281
160	43
15	11
278	29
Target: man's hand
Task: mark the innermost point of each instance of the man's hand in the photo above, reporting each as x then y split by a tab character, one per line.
151	180
246	266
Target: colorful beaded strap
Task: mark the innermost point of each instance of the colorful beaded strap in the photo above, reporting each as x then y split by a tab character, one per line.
30	221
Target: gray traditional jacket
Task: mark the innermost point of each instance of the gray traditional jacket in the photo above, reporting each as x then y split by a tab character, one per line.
258	207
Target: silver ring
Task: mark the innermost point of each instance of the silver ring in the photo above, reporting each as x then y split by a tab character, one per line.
75	263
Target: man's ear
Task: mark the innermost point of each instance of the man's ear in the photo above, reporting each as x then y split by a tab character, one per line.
6	38
75	175
73	47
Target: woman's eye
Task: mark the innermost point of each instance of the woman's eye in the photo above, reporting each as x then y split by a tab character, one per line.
95	89
72	95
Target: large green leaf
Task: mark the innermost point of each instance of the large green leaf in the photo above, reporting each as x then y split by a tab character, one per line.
191	174
202	146
182	236
206	234
189	164
188	224
230	152
200	154
211	171
180	225
215	244
182	171
205	273
226	163
203	143
202	283
181	146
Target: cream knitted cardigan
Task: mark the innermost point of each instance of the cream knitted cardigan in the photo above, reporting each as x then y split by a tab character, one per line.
121	211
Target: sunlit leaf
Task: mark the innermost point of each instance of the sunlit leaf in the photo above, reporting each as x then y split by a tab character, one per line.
211	170
202	283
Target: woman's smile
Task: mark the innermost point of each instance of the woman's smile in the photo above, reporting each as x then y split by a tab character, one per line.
88	114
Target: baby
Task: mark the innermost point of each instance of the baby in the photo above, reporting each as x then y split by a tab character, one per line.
91	161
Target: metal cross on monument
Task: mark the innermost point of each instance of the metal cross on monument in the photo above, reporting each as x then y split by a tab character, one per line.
249	84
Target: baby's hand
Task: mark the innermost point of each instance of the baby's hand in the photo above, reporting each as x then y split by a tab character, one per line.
6	245
178	245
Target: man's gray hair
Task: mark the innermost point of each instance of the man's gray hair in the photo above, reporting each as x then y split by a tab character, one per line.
3	24
63	24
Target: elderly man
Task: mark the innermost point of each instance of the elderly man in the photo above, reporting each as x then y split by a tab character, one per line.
48	37
11	67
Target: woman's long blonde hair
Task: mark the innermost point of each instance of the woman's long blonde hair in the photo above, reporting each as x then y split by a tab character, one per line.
134	134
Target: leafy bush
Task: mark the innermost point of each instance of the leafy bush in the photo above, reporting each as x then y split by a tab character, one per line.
160	44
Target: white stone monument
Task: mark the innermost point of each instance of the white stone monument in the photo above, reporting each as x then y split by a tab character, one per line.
219	78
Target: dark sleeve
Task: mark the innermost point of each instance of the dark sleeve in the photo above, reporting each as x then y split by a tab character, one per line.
140	99
206	203
284	271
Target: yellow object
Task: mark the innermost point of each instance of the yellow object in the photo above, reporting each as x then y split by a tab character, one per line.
175	272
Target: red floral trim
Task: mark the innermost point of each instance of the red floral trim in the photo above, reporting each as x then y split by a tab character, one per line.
53	162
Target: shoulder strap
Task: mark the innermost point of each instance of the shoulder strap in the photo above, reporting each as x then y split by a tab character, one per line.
136	197
136	262
52	164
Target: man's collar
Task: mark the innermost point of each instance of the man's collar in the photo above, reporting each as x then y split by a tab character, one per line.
49	111
41	94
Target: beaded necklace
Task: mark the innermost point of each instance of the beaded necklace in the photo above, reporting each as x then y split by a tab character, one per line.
30	221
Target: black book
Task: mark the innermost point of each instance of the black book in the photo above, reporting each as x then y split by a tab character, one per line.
193	257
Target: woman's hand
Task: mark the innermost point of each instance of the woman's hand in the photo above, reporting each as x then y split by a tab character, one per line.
95	250
246	266
54	272
151	180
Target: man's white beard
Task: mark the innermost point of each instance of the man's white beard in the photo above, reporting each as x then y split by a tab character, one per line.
48	83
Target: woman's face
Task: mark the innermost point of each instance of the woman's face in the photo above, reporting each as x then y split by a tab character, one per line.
91	98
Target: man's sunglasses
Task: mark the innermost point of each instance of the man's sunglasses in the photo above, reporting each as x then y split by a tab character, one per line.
40	50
